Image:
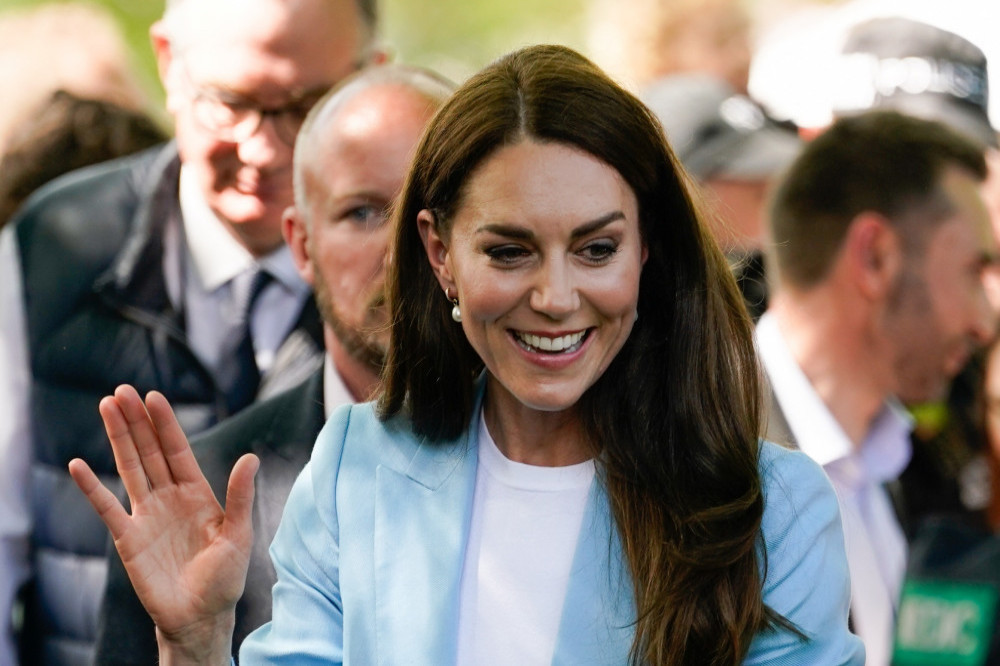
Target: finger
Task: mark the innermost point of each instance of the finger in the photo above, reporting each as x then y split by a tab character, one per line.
127	459
145	435
239	498
103	500
176	449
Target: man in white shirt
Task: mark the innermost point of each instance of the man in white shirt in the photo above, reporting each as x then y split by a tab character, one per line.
168	272
880	243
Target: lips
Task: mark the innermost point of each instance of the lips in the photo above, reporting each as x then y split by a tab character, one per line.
561	344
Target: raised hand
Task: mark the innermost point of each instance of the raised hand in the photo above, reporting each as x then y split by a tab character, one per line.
186	557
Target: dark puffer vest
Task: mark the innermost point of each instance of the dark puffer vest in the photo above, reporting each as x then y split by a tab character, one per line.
98	315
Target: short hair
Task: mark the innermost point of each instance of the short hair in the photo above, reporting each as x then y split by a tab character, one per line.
422	82
879	161
66	133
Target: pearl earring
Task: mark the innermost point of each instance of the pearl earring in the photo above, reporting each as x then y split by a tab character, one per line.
456	313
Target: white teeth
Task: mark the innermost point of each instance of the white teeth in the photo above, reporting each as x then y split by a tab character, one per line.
560	344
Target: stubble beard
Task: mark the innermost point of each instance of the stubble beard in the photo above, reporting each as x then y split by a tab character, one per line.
365	344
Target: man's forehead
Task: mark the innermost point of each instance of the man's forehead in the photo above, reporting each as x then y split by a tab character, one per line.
299	31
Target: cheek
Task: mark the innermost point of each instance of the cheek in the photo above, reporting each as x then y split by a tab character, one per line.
199	149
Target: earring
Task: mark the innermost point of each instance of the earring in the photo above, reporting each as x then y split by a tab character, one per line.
456	313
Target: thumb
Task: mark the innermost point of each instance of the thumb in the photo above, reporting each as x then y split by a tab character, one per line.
239	496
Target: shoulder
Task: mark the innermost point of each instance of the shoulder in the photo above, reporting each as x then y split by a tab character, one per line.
285	425
794	484
355	433
804	563
81	219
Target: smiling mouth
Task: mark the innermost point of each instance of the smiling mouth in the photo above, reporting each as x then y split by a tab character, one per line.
563	344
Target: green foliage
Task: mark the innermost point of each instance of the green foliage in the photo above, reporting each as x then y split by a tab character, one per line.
456	37
135	17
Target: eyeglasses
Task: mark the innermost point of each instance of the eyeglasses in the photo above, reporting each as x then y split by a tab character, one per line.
236	121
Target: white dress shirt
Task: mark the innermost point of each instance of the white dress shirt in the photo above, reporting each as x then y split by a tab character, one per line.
200	270
876	546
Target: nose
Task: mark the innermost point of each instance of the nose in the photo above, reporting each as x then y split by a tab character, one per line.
264	148
983	328
555	294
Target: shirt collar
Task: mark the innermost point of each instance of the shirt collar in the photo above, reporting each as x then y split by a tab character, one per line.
885	449
335	392
216	256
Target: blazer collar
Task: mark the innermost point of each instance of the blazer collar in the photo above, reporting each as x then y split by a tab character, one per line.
427	505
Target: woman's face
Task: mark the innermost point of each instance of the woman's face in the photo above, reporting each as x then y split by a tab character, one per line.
544	255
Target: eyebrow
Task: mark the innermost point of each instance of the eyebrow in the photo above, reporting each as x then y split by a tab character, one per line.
520	233
230	96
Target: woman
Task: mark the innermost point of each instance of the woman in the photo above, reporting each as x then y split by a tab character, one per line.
564	466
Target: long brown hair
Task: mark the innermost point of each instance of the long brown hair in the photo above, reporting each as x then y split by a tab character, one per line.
675	419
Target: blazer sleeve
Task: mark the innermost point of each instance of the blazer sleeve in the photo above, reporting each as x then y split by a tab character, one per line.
307	624
806	576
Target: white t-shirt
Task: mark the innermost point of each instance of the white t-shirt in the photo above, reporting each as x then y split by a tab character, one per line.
525	526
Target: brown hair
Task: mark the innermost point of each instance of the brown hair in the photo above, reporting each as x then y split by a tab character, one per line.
65	134
880	161
675	418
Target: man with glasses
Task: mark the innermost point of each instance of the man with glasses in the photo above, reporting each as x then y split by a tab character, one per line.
167	271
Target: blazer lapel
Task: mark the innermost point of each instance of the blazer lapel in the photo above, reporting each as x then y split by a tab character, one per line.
422	518
598	620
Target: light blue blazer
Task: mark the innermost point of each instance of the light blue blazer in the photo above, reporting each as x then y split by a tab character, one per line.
370	551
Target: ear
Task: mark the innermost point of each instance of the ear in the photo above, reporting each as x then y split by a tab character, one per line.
296	233
436	249
165	63
874	253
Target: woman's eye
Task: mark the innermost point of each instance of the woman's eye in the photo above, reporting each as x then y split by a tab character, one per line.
506	254
369	216
599	252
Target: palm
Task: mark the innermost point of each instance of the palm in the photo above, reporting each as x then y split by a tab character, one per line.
186	557
180	562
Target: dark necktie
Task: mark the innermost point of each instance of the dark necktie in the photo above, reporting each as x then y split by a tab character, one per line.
238	375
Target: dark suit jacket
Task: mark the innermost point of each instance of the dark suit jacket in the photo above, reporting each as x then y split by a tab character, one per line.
281	432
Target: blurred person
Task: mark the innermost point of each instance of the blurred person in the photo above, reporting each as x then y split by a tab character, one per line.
729	144
72	46
894	62
65	133
351	157
167	270
564	465
644	40
918	69
881	246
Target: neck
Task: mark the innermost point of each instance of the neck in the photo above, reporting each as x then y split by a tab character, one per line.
530	436
833	343
360	379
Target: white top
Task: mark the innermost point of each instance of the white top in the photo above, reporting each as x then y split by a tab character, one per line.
211	256
525	525
876	546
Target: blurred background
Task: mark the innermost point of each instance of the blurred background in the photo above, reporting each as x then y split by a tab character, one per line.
792	42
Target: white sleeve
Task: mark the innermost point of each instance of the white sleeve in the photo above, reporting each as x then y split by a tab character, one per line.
15	439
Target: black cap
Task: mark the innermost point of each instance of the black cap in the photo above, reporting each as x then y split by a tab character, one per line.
918	69
717	132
